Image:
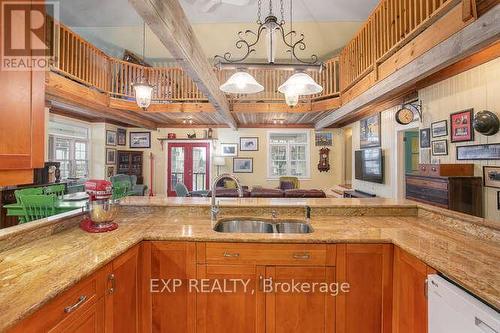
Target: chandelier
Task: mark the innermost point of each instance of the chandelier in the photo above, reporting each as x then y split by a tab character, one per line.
242	82
143	90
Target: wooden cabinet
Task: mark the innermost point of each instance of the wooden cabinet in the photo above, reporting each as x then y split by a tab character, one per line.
122	293
297	311
367	306
242	310
410	299
22	122
130	163
461	194
90	321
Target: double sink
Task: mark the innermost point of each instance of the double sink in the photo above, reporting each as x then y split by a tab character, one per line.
262	226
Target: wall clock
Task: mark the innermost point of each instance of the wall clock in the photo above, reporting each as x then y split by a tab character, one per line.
406	114
324	164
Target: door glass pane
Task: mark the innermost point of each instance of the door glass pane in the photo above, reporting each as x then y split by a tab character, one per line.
177	166
199	168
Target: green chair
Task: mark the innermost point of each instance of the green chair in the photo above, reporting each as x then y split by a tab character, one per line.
57	190
38	206
120	189
27	191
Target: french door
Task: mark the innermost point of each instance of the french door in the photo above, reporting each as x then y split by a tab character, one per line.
188	163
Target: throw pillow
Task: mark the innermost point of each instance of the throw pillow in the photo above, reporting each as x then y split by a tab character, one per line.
286	186
229	183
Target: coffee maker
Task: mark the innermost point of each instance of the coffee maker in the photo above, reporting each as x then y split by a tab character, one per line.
102	209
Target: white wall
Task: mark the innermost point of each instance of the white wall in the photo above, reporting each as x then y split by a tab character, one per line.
478	88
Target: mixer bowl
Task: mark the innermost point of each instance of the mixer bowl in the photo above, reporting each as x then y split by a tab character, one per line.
103	211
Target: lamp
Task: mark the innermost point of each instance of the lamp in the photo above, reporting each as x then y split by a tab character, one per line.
241	83
219	161
143	90
300	84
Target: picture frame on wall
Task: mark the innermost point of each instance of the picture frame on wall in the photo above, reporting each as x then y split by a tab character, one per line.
110	171
369	132
461	126
479	152
491	176
425	138
140	140
249	144
110	138
110	156
439	129
121	138
243	165
323	139
229	149
440	148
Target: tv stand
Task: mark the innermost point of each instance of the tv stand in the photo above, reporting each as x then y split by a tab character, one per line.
358	194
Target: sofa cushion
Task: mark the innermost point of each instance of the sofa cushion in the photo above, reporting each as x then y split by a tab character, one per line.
266	193
286	185
229	192
301	193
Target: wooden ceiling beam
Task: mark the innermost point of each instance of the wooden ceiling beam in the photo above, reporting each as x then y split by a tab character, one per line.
324	105
473	38
167	20
122	104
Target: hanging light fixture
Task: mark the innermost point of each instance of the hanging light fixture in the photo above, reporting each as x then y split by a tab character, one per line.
243	83
143	90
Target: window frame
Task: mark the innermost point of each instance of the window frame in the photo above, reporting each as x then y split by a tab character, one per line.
307	145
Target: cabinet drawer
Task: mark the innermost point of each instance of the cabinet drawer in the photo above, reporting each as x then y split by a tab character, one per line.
67	307
270	254
429	183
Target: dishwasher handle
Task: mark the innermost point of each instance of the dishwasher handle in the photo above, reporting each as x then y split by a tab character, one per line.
483	326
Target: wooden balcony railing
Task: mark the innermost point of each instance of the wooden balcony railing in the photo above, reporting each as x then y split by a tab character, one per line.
391	25
83	62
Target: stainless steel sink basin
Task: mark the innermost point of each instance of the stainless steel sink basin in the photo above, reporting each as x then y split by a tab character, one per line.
293	228
269	226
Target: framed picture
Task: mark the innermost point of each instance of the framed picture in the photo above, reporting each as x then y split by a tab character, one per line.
242	165
121	137
140	140
461	126
369	131
425	138
439	128
440	148
324	139
479	152
110	170
110	156
110	138
229	149
491	176
249	144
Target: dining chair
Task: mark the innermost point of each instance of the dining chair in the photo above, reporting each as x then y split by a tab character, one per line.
57	190
26	191
120	190
38	206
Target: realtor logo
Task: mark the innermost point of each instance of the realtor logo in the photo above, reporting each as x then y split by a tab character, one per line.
27	34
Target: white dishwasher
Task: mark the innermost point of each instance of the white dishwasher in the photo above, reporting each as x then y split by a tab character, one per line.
452	310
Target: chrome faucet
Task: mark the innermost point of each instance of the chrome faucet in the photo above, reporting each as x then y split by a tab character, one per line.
215	208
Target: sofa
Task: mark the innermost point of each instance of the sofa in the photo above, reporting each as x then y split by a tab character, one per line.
130	182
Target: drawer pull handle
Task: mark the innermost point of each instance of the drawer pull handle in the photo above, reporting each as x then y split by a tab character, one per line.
303	256
75	306
231	255
111	278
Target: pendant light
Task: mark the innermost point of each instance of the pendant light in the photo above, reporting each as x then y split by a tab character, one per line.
143	90
241	83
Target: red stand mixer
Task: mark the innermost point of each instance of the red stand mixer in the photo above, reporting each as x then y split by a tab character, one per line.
102	208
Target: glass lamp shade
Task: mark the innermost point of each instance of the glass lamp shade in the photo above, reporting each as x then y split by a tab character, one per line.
300	84
291	99
241	83
143	94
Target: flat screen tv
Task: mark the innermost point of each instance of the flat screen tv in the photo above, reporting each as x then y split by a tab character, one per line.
369	165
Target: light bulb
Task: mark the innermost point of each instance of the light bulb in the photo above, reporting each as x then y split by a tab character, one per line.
143	94
291	99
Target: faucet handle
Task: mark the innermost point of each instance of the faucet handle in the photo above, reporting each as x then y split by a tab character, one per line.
274	214
308	213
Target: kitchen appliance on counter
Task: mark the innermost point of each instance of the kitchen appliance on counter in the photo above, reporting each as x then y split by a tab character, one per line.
452	309
102	208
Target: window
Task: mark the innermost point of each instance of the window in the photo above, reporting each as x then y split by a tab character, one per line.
69	145
289	154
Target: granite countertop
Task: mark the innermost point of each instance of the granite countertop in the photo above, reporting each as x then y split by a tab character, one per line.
34	273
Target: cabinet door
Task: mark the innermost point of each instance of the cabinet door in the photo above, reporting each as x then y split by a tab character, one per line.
239	307
91	321
367	306
410	300
172	309
304	311
121	297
